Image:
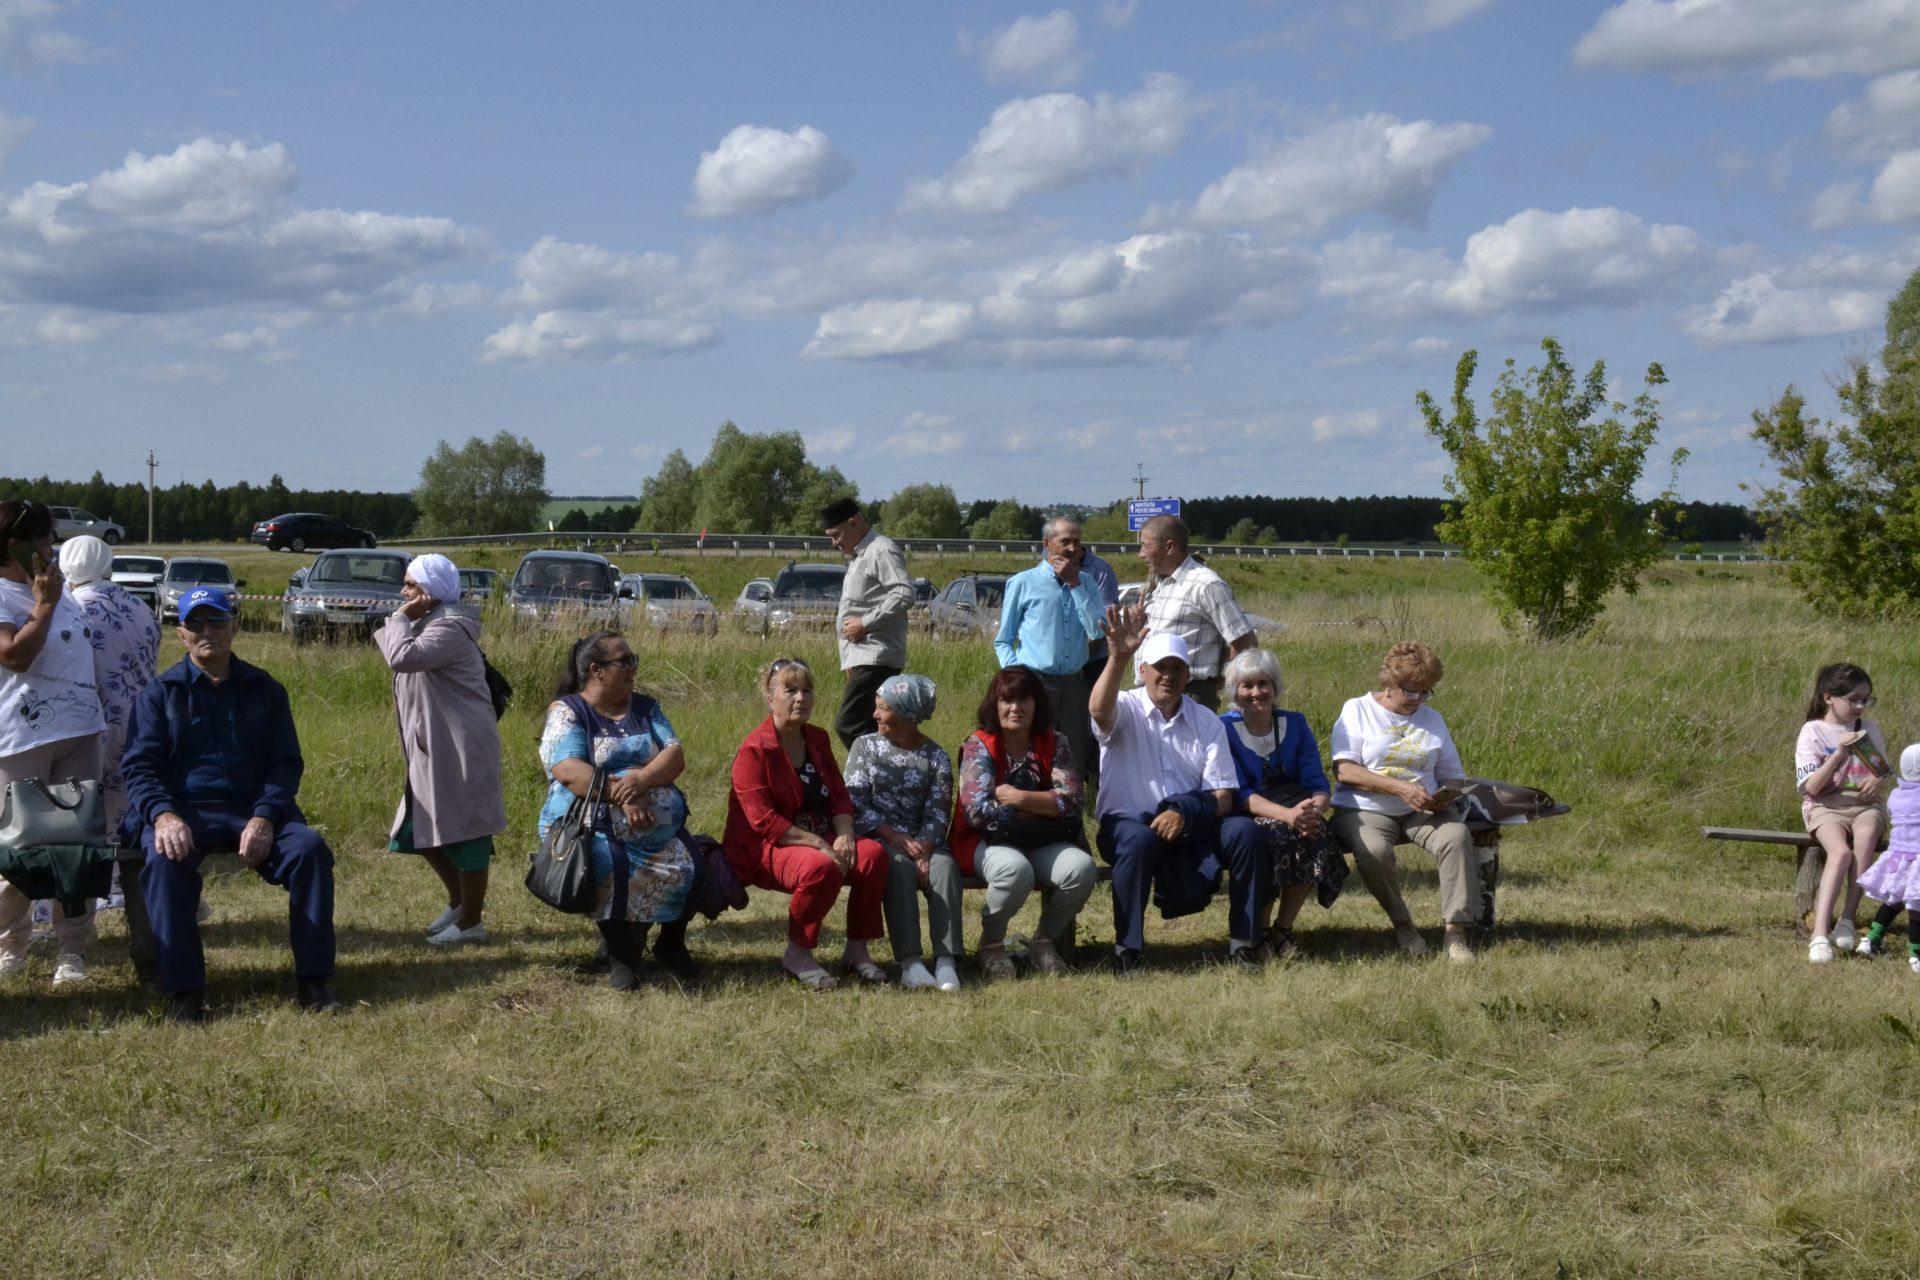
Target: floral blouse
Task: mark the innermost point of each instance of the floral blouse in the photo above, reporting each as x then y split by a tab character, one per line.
126	657
911	791
977	782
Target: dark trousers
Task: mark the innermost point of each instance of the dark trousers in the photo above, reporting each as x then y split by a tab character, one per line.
1187	868
1090	767
1071	719
300	863
856	704
1205	692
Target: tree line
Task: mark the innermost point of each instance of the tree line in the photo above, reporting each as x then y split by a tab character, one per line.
209	512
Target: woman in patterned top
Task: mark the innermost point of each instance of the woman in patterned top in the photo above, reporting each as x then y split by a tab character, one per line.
1018	821
901	783
643	859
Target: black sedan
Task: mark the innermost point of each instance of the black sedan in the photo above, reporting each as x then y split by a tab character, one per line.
308	531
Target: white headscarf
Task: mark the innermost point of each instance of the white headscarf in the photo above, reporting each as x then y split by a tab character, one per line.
85	559
436	576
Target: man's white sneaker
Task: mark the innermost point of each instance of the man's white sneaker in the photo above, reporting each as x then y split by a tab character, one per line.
453	935
916	976
946	974
69	969
1820	951
1913	962
1845	937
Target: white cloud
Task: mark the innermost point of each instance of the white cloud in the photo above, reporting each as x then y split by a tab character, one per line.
1309	183
756	170
929	434
1783	39
1347	424
1390	351
591	452
1884	120
1535	259
1893	197
830	440
561	336
30	42
1055	141
1119	13
63	329
211	225
1756	308
184	371
598	304
1043	51
1406	19
246	341
557	275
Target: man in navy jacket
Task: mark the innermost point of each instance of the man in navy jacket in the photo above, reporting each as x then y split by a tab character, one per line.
213	763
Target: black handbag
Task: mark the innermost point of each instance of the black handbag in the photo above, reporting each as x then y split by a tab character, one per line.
561	874
499	688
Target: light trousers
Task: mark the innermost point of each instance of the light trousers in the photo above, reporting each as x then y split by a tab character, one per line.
1064	873
943	893
1370	837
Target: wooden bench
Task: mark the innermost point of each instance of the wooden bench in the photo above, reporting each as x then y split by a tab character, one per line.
1811	857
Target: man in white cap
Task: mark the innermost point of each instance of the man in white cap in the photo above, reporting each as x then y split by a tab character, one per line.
1167	784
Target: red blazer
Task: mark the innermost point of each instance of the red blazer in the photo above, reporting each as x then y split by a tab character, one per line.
765	799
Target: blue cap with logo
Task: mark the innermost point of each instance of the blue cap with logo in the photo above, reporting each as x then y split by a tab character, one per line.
206	598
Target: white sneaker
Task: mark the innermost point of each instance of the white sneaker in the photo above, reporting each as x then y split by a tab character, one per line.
70	969
454	935
12	966
1913	962
1867	948
442	920
1820	951
946	974
916	976
1845	936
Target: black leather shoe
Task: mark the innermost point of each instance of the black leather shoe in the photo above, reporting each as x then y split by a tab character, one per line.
314	995
1126	964
187	1007
672	955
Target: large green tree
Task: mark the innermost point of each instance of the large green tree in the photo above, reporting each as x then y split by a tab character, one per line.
747	483
1008	521
923	511
669	497
1846	512
1543	489
485	486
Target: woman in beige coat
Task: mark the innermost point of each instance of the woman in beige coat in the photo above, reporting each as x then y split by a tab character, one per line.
453	805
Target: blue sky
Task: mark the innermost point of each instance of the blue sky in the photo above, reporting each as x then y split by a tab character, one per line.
1016	249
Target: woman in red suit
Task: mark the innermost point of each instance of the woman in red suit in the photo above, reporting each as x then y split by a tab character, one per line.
790	828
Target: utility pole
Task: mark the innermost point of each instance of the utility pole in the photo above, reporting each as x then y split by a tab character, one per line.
151	464
1140	478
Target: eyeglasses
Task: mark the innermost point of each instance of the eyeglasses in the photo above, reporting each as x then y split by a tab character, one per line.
1417	695
1867	701
218	622
781	664
630	661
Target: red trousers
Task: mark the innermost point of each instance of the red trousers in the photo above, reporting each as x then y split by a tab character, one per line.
814	880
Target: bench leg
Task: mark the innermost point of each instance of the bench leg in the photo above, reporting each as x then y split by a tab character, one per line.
1813	862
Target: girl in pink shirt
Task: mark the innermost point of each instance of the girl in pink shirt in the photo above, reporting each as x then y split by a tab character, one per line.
1840	764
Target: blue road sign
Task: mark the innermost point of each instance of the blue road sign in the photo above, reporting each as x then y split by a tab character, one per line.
1141	510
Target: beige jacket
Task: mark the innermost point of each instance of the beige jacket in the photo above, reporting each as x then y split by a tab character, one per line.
447	730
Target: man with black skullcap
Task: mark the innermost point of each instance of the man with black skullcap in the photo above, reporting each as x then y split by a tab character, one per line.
872	621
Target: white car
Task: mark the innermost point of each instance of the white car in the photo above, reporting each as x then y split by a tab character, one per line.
139	577
73	522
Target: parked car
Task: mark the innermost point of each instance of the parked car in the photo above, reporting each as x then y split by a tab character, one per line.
184	573
479	585
343	594
581	586
970	605
1132	593
671	601
139	577
805	596
750	606
308	531
72	522
923	593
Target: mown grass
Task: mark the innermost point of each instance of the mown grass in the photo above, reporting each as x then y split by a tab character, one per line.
1643	1076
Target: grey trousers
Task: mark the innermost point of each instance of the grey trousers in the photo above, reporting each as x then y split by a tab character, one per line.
1064	872
943	906
1371	836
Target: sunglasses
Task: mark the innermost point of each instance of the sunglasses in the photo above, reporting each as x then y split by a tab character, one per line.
1417	695
631	662
217	622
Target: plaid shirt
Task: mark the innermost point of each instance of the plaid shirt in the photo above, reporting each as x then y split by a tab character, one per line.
1195	603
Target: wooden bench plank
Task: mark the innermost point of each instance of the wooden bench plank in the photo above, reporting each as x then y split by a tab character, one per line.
1752	835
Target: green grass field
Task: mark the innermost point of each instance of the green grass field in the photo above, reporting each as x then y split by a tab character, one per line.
1641	1076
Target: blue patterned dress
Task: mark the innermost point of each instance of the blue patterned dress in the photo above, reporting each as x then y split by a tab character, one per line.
660	858
126	656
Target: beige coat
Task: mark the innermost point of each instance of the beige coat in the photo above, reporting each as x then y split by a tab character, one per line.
447	730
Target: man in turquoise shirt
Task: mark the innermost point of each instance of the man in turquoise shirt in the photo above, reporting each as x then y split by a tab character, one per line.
1048	617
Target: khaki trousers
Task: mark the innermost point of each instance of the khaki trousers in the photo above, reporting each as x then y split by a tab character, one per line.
1370	837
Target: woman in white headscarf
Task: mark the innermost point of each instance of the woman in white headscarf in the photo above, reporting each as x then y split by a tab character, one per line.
452	805
126	653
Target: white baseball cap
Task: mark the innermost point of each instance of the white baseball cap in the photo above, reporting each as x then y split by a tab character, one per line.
1910	763
1159	646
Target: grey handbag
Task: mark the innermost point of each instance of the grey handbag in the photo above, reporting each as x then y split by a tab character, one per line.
36	813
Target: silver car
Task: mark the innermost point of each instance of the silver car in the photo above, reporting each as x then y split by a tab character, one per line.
671	601
73	522
184	573
343	593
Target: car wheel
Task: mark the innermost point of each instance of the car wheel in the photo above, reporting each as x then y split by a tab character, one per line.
367	542
111	537
297	544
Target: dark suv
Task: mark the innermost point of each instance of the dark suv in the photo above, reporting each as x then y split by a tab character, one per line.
805	596
308	531
577	585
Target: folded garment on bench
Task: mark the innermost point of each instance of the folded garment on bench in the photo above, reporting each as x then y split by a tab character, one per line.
70	874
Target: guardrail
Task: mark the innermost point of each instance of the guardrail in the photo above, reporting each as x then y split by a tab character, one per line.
774	543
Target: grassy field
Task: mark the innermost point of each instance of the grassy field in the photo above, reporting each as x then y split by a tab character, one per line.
1642	1076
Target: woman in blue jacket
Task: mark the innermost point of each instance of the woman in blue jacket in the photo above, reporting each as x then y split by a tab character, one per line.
1283	789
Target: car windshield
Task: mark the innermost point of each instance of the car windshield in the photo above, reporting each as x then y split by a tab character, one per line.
380	571
987	592
556	577
138	564
668	589
477	578
199	571
809	584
